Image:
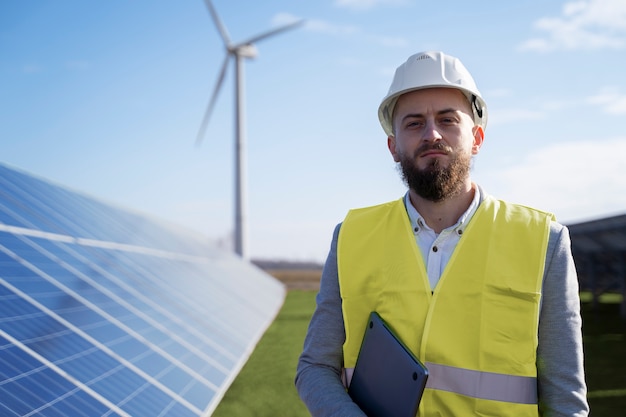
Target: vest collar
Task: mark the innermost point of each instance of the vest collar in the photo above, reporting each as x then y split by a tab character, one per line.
419	224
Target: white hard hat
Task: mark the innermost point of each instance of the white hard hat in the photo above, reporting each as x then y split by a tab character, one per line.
427	70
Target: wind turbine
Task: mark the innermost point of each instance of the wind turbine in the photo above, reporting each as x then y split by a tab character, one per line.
238	52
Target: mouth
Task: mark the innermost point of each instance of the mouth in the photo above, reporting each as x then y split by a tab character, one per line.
433	152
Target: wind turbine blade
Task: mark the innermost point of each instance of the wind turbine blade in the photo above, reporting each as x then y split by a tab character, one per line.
209	109
271	33
220	27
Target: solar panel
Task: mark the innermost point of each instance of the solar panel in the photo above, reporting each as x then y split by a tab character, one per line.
105	312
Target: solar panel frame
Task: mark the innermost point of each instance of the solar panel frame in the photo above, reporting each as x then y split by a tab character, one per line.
119	313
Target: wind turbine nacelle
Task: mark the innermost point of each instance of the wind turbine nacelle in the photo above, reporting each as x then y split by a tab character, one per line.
247	51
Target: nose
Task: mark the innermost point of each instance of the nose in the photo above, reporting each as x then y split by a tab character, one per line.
431	131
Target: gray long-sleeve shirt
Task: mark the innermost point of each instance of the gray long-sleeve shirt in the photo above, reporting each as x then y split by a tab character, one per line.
560	373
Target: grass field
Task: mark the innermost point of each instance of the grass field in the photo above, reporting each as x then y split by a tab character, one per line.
604	336
265	386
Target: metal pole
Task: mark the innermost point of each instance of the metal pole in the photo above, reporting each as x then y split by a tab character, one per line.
240	142
621	277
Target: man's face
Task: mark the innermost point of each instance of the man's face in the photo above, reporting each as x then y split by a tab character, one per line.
435	138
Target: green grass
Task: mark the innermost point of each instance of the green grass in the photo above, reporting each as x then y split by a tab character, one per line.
604	336
265	386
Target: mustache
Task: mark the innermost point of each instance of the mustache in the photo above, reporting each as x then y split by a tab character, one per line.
438	146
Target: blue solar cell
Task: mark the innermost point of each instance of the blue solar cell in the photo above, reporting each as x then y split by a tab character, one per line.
27	384
107	312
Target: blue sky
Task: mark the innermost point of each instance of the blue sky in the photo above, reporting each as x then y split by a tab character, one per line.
107	98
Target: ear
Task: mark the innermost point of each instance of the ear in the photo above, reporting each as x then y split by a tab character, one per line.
479	138
391	144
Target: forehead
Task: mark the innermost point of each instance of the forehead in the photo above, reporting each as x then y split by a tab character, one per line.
433	99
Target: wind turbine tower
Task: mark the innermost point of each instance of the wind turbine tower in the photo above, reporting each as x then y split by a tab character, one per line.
239	52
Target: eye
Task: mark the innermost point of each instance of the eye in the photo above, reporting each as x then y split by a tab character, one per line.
447	120
413	124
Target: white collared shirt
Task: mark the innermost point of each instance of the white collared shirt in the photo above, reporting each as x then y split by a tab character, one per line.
438	248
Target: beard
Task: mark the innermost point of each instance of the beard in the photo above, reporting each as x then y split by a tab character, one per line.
435	182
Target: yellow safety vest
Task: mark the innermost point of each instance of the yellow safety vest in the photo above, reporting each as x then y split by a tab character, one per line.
477	332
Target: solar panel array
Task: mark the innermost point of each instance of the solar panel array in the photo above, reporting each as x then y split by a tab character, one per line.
105	312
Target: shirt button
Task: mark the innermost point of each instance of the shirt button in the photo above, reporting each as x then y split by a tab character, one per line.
459	232
435	249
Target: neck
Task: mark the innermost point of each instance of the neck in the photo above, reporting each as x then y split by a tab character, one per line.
440	215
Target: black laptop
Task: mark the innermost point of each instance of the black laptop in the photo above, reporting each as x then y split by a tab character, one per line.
388	379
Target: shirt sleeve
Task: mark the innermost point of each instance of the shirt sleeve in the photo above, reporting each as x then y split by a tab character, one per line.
318	375
560	369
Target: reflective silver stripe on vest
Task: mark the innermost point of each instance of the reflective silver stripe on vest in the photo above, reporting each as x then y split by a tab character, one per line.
483	385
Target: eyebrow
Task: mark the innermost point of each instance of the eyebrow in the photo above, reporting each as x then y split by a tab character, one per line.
439	113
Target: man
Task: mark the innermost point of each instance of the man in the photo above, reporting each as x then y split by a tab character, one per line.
484	292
